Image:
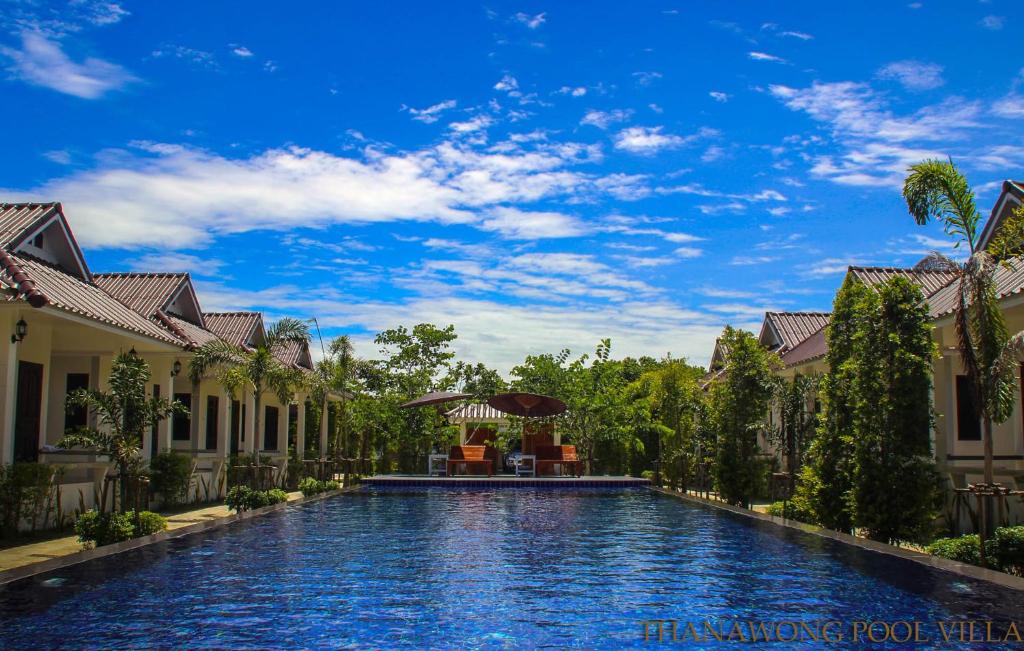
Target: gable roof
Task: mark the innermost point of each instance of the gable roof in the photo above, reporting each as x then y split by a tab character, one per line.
42	285
789	329
143	292
1012	195
20	222
1009	282
930	281
236	328
808	350
294	354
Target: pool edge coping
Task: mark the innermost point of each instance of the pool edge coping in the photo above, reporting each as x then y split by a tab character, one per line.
86	555
974	572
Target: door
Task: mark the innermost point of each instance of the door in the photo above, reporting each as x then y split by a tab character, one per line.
27	411
270	429
182	424
212	407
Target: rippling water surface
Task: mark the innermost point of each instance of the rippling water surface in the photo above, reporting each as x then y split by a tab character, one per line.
511	568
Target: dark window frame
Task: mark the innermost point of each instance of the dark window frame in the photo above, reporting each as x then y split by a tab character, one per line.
968	418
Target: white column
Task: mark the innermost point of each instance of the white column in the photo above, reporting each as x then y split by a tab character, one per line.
10	395
282	428
300	427
250	420
323	431
462	433
224	425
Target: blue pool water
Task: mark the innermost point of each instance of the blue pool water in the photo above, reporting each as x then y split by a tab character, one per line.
509	568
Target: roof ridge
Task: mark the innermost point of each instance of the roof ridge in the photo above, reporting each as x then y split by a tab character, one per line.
235	313
8	204
23	283
801	312
142	273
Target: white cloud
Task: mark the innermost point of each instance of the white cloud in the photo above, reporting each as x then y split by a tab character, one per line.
42	62
174	196
646	78
476	123
515	224
712	153
604	119
575	91
191	55
1011	106
59	156
532	22
993	23
719	96
507	83
241	51
748	260
100	13
432	113
651	140
763	56
914	75
803	36
688	252
170	261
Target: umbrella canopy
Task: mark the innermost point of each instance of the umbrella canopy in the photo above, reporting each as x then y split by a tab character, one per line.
527	404
435	398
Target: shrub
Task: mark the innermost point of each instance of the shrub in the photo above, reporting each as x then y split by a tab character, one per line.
312	486
170	475
150	523
795	509
243	498
963	549
276	496
27	493
104	528
1007	549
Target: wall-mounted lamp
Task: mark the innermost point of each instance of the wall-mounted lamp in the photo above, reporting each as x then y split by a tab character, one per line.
133	353
176	368
20	330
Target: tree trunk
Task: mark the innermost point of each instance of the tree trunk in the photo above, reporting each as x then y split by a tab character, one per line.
256	400
986	500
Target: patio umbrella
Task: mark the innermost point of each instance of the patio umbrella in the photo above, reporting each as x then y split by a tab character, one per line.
435	398
527	405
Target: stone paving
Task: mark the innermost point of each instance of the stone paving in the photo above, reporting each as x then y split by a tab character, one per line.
41	551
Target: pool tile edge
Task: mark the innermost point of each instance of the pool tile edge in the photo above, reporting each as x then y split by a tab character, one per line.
51	564
1001	579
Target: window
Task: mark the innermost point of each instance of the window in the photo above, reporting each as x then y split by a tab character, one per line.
183	423
37	241
212	407
270	429
968	422
77	417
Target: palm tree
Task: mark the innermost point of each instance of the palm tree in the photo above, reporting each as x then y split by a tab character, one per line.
337	372
122	415
254	369
936	190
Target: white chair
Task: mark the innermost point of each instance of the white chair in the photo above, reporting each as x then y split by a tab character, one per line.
437	464
526	464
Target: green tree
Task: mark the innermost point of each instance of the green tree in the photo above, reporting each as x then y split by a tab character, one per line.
256	370
827	480
123	414
739	402
936	190
337	373
895	487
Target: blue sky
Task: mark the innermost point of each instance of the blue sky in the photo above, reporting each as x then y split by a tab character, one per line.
540	175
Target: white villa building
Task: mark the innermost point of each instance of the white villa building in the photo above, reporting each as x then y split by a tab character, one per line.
66	324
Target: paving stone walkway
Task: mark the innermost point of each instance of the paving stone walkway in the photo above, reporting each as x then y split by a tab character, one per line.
41	551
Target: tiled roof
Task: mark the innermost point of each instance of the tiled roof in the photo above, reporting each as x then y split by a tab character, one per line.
291	353
930	281
476	412
1009	282
195	334
233	327
143	292
17	219
794	327
810	349
51	286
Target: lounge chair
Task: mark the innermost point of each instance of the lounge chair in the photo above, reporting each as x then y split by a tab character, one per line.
563	456
469	455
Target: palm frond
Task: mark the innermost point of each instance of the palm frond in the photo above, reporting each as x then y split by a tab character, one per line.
287	330
935	189
1008	242
213	355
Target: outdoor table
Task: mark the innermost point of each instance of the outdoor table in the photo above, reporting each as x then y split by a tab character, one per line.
432	470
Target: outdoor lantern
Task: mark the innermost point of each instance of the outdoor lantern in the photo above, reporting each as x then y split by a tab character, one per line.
176	368
20	330
133	353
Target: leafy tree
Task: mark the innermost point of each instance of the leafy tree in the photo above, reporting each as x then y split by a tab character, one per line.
936	190
895	487
337	373
477	379
827	481
256	370
739	401
797	419
123	414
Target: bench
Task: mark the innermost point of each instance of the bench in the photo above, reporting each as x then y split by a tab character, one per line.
563	456
469	454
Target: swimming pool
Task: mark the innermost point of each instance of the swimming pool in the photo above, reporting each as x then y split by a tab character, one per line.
442	568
